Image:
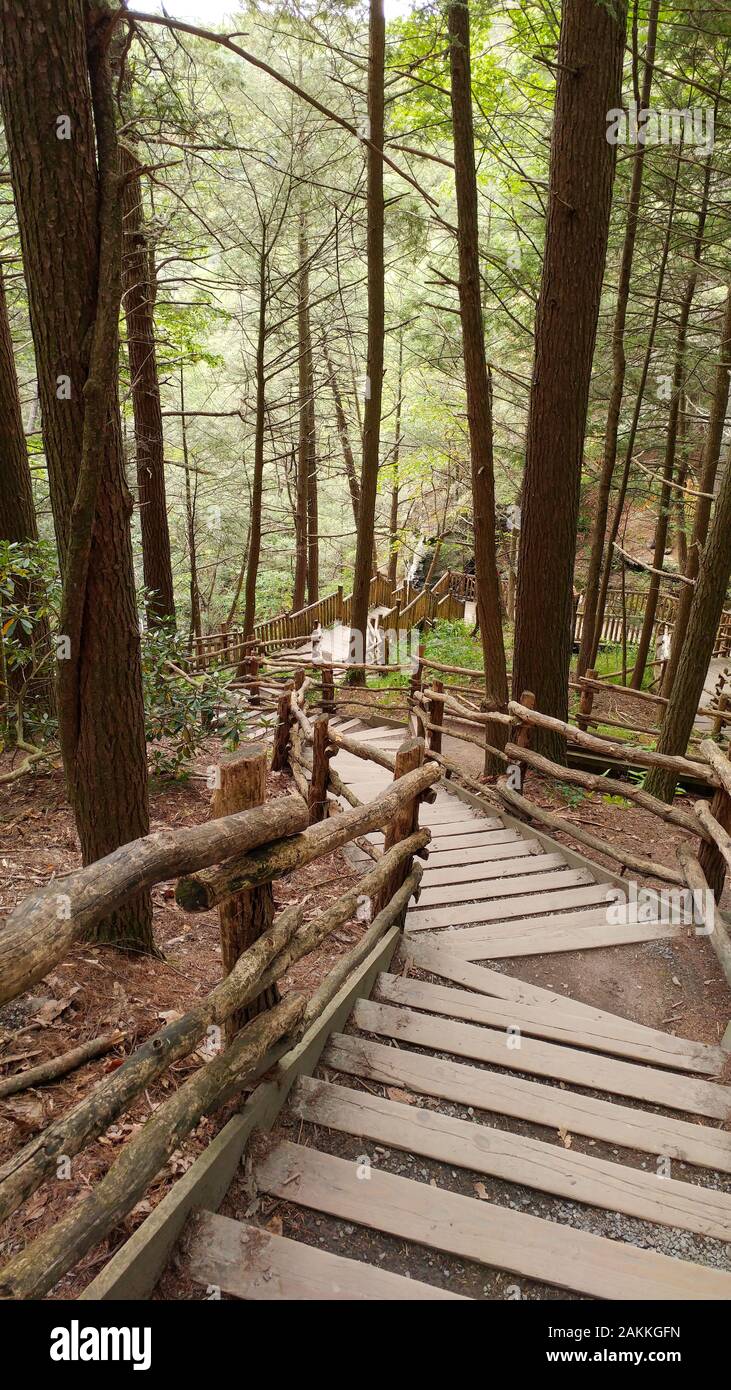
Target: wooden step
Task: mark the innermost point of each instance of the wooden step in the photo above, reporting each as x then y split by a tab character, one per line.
476	873
685	1053
554	1107
506	845
254	1264
546	1021
521	885
591	895
473	1230
514	1158
504	945
589	1069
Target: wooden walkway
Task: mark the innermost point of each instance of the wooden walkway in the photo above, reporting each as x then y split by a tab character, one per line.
461	1074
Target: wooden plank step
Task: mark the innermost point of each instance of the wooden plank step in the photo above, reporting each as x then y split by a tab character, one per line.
521	885
591	895
371	735
565	939
474	1230
533	1101
254	1264
484	854
531	926
515	1158
589	1069
550	1021
484	840
695	1056
475	873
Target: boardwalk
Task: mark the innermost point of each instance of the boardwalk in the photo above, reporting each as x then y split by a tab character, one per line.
455	1074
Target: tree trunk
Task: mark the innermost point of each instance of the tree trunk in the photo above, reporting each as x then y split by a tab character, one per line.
196	628
257	486
138	301
306	442
376	328
18	520
393	519
705	614
706	483
69	216
477	379
629	452
588	85
342	425
663	519
619	365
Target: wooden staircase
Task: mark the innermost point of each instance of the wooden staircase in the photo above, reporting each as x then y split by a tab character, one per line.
457	1095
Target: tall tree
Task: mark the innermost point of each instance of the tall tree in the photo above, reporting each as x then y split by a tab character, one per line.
671	438
619	361
477	378
17	512
59	121
703	503
588	86
257	485
139	299
705	614
306	421
376	329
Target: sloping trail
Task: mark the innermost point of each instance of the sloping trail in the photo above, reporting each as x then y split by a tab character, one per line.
462	1073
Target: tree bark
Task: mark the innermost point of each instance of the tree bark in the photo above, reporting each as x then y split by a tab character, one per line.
376	328
196	628
257	485
588	85
69	215
703	504
393	518
601	508
17	514
306	441
705	613
663	519
478	383
138	302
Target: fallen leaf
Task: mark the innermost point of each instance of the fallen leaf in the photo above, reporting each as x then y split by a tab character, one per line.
565	1138
482	1192
394	1093
274	1224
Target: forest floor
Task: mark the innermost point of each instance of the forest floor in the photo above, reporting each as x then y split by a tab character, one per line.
98	989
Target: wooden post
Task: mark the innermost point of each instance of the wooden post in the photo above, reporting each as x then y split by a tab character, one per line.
339	603
586	700
328	690
317	800
522	736
718	724
254	692
244	917
710	857
436	711
280	750
409	756
416	679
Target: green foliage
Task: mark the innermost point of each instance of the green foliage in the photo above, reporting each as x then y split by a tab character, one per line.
451	643
180	710
30	591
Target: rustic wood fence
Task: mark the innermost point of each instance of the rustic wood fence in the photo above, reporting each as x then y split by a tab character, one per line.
231	863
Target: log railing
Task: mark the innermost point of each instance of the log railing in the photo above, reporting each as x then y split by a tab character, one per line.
230	862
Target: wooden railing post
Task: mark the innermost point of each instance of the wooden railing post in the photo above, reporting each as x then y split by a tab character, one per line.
586	701
436	717
418	674
280	750
523	734
710	857
254	692
244	917
409	756
719	724
328	690
317	800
